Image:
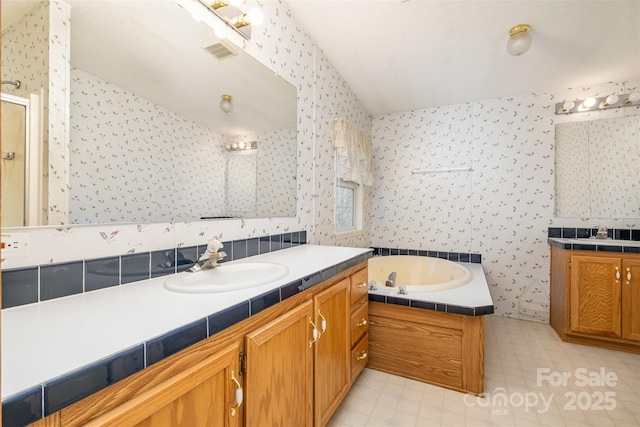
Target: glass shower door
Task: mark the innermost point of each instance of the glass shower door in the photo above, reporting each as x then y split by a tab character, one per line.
14	161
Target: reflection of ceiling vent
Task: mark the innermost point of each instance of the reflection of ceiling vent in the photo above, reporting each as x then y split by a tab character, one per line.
220	50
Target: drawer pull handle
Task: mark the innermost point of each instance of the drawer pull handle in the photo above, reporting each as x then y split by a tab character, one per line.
617	274
239	394
362	356
363	322
361	285
628	275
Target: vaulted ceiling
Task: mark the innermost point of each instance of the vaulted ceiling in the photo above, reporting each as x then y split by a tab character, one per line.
399	55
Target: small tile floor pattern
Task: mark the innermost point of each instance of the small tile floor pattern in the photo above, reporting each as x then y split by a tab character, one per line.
524	362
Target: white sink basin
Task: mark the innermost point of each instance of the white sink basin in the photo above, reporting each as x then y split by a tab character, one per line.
226	278
613	242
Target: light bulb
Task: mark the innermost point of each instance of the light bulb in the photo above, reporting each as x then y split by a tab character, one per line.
633	97
589	102
611	99
241	145
255	16
568	106
228	146
234	146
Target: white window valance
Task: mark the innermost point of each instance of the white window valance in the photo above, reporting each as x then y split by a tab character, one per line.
354	151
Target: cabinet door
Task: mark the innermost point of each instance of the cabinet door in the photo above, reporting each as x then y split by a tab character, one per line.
631	299
332	350
201	395
595	295
279	375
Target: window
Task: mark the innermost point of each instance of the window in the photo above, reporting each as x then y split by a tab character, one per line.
345	206
353	170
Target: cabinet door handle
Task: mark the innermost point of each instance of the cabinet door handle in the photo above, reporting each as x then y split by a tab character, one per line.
363	322
617	275
314	333
362	356
361	285
628	275
323	323
239	394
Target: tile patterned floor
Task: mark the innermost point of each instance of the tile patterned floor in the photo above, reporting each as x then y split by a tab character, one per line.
524	365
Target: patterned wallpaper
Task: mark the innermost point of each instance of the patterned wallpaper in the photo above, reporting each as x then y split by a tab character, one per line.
134	161
241	182
613	170
572	170
501	209
277	173
59	80
334	99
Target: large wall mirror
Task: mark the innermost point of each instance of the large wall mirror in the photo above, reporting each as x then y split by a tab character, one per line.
598	168
148	139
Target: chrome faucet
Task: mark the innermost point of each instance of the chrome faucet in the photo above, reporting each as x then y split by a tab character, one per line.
391	280
210	257
602	232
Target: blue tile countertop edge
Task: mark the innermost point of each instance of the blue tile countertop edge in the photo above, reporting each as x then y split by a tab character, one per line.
595	247
43	400
434	306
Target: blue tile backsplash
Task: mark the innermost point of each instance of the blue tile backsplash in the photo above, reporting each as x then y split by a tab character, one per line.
19	286
451	256
40	283
61	280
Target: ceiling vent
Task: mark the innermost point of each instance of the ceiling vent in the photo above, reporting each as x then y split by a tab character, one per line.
220	50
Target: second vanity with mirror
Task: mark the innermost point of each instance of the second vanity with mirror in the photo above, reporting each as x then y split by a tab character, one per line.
595	292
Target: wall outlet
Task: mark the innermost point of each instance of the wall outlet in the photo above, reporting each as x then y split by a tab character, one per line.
14	245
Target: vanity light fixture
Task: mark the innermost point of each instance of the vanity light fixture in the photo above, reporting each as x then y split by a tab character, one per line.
225	104
242	146
519	39
228	12
598	103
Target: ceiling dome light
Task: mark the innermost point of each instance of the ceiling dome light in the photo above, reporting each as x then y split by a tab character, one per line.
519	39
226	105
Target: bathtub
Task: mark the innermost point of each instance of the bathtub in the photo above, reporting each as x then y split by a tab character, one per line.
419	273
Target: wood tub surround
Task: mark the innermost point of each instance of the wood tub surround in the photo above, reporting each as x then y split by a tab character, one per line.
288	377
595	296
444	349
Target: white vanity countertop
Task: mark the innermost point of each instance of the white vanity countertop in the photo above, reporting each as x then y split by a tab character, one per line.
45	340
474	294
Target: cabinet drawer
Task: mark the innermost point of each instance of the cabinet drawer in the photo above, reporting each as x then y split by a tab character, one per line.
359	357
359	285
359	320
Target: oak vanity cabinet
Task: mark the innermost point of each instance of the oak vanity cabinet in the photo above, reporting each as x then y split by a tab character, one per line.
359	323
198	389
298	365
291	364
595	298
